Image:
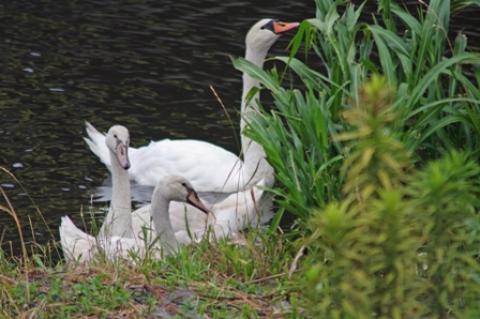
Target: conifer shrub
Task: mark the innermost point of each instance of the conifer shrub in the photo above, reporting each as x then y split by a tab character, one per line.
401	243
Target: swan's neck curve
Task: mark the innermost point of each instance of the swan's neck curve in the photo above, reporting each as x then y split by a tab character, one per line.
161	220
118	221
255	165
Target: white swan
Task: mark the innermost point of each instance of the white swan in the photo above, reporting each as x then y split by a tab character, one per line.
118	221
226	219
81	247
117	236
208	167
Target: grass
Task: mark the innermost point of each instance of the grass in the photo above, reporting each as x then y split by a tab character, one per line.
205	280
201	281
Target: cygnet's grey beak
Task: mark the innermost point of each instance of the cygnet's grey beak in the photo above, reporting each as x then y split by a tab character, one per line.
192	199
122	155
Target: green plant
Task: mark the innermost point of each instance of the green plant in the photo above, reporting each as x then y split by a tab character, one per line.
435	100
445	198
401	243
458	5
364	247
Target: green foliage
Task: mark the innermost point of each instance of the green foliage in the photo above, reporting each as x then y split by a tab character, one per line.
375	149
366	246
446	201
400	244
301	150
458	5
381	170
94	292
215	280
435	101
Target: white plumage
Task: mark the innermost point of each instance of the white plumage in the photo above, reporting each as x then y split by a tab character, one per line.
208	167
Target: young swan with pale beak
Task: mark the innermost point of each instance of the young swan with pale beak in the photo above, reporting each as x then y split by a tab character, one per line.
116	236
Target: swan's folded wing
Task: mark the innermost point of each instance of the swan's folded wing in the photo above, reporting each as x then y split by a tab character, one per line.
207	166
76	244
120	247
212	198
243	209
142	221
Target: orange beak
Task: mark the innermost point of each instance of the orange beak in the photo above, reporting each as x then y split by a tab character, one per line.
282	27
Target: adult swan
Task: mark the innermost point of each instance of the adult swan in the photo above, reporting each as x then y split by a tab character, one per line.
208	167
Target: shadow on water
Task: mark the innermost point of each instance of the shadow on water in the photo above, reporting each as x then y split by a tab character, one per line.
142	63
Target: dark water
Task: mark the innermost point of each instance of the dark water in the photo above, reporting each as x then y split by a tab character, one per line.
146	64
142	63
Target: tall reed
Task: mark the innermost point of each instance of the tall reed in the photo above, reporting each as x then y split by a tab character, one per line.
437	96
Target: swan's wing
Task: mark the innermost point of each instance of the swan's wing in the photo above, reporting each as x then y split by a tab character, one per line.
241	210
76	244
212	198
207	166
236	213
142	223
187	217
96	142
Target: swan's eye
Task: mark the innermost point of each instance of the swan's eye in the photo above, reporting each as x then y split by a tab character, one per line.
115	135
268	25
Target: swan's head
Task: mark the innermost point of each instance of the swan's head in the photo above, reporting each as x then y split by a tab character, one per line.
179	189
263	34
117	141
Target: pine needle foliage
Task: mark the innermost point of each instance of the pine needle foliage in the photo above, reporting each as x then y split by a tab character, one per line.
373	145
401	243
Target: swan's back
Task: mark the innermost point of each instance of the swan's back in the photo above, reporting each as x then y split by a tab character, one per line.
208	167
188	158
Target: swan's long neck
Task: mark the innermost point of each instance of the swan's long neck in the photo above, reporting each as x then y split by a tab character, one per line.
161	220
255	165
118	221
258	58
